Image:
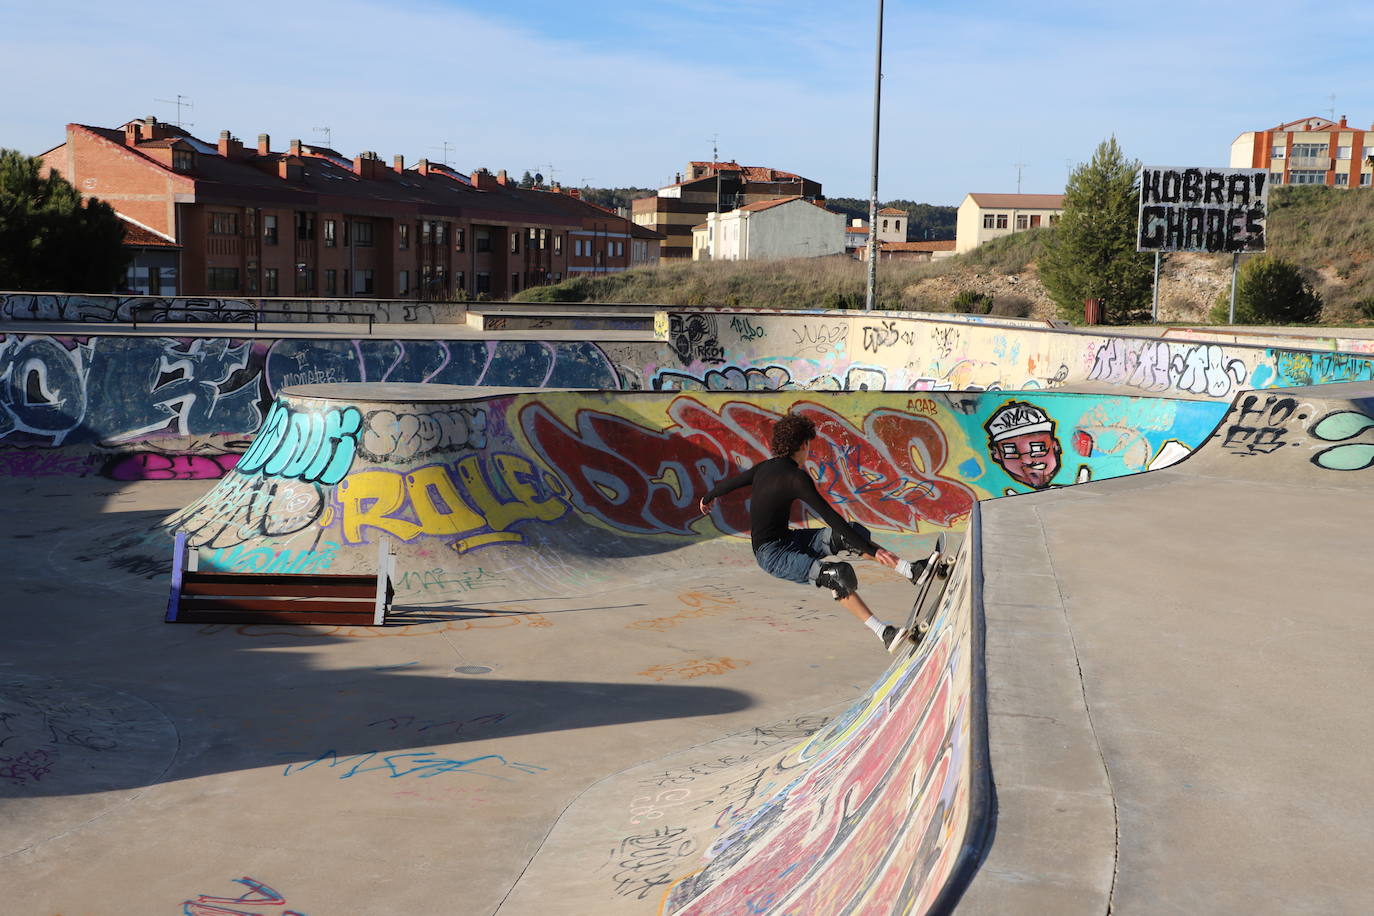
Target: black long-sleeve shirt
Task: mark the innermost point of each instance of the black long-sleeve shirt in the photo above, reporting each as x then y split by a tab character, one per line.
778	483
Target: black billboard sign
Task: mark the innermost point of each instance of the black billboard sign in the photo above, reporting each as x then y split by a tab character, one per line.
1201	209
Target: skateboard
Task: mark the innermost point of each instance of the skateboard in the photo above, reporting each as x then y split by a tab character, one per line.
927	596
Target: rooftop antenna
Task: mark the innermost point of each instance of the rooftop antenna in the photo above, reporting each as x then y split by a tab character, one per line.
446	147
1019	167
715	148
551	171
327	136
1332	110
181	102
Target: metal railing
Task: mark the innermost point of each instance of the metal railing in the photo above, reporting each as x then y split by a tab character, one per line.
240	316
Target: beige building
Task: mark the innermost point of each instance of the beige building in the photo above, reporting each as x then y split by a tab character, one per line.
792	227
1309	151
892	224
984	217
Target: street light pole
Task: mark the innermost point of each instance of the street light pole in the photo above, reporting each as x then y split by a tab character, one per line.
873	194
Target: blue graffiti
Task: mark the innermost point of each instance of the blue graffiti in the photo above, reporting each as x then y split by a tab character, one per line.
310	446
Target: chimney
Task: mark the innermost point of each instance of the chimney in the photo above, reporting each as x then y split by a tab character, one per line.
295	147
501	178
1343	124
398	164
230	147
367	165
290	169
133	132
556	188
574	192
422	167
264	144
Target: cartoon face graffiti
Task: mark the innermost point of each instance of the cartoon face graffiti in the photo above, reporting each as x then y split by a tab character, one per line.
1021	439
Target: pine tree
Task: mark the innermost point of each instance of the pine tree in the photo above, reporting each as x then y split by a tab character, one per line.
49	239
1092	252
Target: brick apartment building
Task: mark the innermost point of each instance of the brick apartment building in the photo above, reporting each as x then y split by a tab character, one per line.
1309	151
229	220
713	187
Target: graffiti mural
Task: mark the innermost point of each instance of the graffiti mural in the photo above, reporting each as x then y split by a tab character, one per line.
1339	426
1021	440
162	408
316	446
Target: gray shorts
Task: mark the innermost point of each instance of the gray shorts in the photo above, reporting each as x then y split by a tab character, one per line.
796	556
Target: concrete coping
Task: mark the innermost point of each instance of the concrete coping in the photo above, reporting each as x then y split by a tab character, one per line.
401	392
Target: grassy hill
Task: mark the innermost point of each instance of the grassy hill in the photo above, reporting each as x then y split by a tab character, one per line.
1328	232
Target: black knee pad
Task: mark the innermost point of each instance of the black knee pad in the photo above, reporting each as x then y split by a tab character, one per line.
840	578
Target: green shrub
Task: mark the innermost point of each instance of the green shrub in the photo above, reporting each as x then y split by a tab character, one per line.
970	302
1365	307
1269	290
1012	307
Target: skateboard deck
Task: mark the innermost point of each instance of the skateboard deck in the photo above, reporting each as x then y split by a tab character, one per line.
927	594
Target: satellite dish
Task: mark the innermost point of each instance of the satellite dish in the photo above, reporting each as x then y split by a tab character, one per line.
538	178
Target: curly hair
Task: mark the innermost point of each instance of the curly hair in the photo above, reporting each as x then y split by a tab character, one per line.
790	433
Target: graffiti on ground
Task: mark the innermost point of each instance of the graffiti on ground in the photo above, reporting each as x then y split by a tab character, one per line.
257	900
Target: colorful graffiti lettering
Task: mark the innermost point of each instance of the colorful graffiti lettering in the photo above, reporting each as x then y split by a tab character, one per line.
157	466
1260	429
420	764
244	507
304	445
477	500
257	896
697	667
398	436
267	560
1161	366
886	475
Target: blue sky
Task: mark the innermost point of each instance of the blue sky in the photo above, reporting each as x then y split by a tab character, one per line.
625	93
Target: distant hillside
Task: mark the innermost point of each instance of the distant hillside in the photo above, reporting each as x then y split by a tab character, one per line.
928	221
1327	231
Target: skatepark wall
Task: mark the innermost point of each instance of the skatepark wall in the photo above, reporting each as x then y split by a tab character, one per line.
581	476
185	407
914	352
79	307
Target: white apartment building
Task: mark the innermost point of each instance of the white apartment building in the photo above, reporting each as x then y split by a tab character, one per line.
792	227
983	217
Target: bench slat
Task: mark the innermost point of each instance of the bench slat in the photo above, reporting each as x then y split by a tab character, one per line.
277	604
334	618
348	578
279	589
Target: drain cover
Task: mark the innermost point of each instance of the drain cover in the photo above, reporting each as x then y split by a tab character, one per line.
473	669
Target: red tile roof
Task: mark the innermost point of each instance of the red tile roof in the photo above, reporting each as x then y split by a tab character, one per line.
769	204
1022	201
136	236
893	211
917	246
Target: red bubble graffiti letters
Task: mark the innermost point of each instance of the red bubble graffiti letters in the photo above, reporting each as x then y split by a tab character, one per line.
885	475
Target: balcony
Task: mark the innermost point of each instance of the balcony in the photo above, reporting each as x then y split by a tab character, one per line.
1310	162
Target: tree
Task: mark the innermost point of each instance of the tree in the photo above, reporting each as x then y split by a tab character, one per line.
1269	290
1092	252
49	238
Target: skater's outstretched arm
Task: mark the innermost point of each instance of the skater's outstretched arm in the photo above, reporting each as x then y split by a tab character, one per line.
729	484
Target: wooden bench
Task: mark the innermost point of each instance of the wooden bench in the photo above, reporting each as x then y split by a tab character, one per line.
300	598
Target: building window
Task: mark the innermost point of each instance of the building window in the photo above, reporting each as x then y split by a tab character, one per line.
305	281
331	281
269	281
183	160
1054	219
515	243
558	243
426	231
305	226
441	281
440	233
1364	180
483	240
1309	151
402	235
1342	152
331	229
543	239
1278	152
483	283
460	285
250	278
1307	176
362	279
269	229
989	220
1368	151
459	238
1342	178
403	283
224	224
1276	178
222	279
362	234
884	225
1022	221
514	284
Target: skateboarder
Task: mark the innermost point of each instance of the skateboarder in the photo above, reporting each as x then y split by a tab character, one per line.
799	554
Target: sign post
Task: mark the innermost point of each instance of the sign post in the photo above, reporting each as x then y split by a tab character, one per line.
1218	211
